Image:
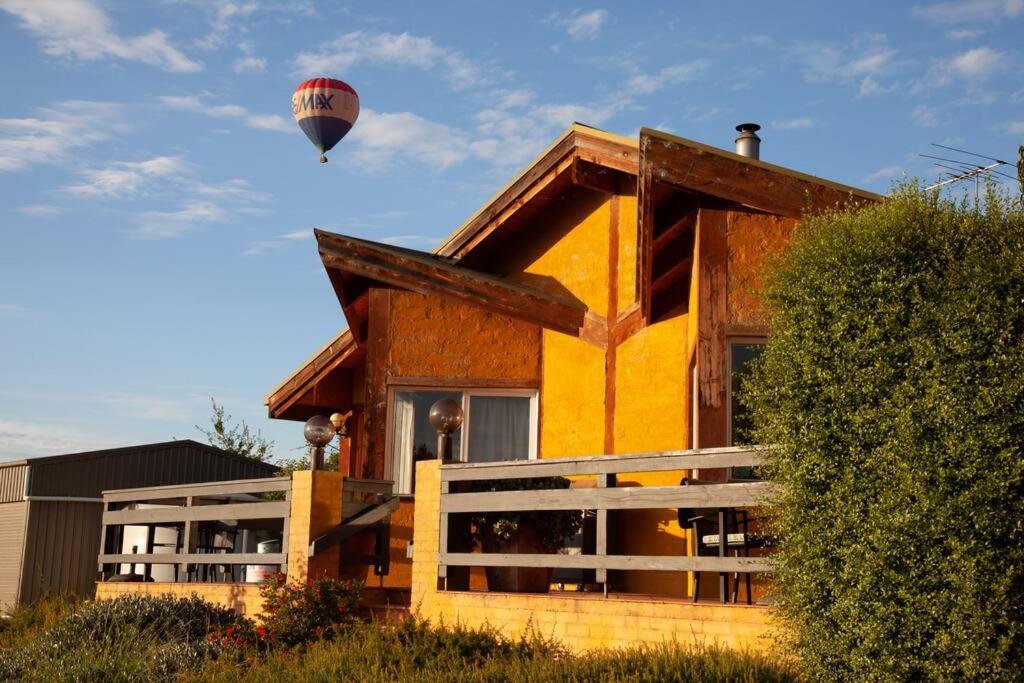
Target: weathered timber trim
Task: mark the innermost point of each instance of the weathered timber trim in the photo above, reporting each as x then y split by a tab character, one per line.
425	274
711	307
463	382
610	464
213	488
199	513
623	498
657	563
371	456
194	558
719	173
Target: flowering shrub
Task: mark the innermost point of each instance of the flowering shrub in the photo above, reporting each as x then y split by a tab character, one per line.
297	613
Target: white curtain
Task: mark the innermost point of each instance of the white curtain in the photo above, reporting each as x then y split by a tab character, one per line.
401	443
499	428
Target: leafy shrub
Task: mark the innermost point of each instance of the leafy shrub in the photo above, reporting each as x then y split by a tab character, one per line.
27	621
297	613
128	638
893	386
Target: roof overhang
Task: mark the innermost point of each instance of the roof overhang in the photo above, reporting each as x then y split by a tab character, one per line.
339	354
355	265
582	156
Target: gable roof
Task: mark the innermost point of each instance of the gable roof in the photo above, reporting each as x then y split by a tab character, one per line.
356	265
581	155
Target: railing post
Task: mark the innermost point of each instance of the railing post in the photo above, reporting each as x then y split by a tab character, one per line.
188	543
442	535
604	481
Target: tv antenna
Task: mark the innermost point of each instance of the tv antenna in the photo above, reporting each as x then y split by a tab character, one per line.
964	169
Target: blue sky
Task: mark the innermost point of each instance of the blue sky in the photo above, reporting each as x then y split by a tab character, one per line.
157	200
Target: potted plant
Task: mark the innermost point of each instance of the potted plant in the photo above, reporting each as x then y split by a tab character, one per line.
540	532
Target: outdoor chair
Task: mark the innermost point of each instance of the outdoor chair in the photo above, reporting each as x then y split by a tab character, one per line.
706	526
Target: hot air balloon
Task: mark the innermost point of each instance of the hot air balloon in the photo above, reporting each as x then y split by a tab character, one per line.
325	109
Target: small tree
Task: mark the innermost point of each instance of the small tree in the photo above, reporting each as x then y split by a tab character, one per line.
238	439
893	389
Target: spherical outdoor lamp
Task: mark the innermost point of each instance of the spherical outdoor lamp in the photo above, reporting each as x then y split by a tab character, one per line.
446	417
340	423
318	432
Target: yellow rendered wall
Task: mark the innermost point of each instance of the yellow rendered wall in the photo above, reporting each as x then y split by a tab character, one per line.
434	337
581	622
315	510
572	414
566	251
651	408
244	598
627	252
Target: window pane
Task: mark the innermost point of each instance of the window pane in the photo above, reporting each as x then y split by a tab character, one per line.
499	428
413	438
742	355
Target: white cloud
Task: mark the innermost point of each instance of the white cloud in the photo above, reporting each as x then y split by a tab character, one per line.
297	235
1015	128
965	33
235	188
383	137
885	173
191	103
127	177
972	66
40	210
80	29
260	247
145	407
11	309
401	49
978	63
962	11
869	86
831	62
222	23
925	116
645	84
20	439
250	65
793	124
53	131
191	217
584	25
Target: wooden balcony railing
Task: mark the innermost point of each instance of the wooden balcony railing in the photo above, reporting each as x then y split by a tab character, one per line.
604	499
184	507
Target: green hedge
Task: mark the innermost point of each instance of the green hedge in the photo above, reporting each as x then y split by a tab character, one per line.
893	385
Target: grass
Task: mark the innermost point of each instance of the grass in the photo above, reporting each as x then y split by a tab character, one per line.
43	643
418	651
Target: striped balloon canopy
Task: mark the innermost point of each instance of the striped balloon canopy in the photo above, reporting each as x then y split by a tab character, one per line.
325	109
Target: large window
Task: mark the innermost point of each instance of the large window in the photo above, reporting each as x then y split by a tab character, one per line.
498	425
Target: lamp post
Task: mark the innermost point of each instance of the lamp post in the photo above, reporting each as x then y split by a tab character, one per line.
318	432
446	417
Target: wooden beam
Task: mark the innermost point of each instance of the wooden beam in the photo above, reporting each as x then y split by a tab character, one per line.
199	513
422	273
712	316
370	456
673	275
194	558
595	177
213	488
660	461
623	498
716	172
655	563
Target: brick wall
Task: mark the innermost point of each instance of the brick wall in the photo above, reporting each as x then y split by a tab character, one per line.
580	620
244	598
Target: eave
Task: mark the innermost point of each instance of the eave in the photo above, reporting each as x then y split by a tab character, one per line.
340	352
355	265
582	156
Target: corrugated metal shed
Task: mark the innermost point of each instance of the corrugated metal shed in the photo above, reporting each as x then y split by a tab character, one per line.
51	508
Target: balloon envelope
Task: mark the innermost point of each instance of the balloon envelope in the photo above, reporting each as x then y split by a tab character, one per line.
325	110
